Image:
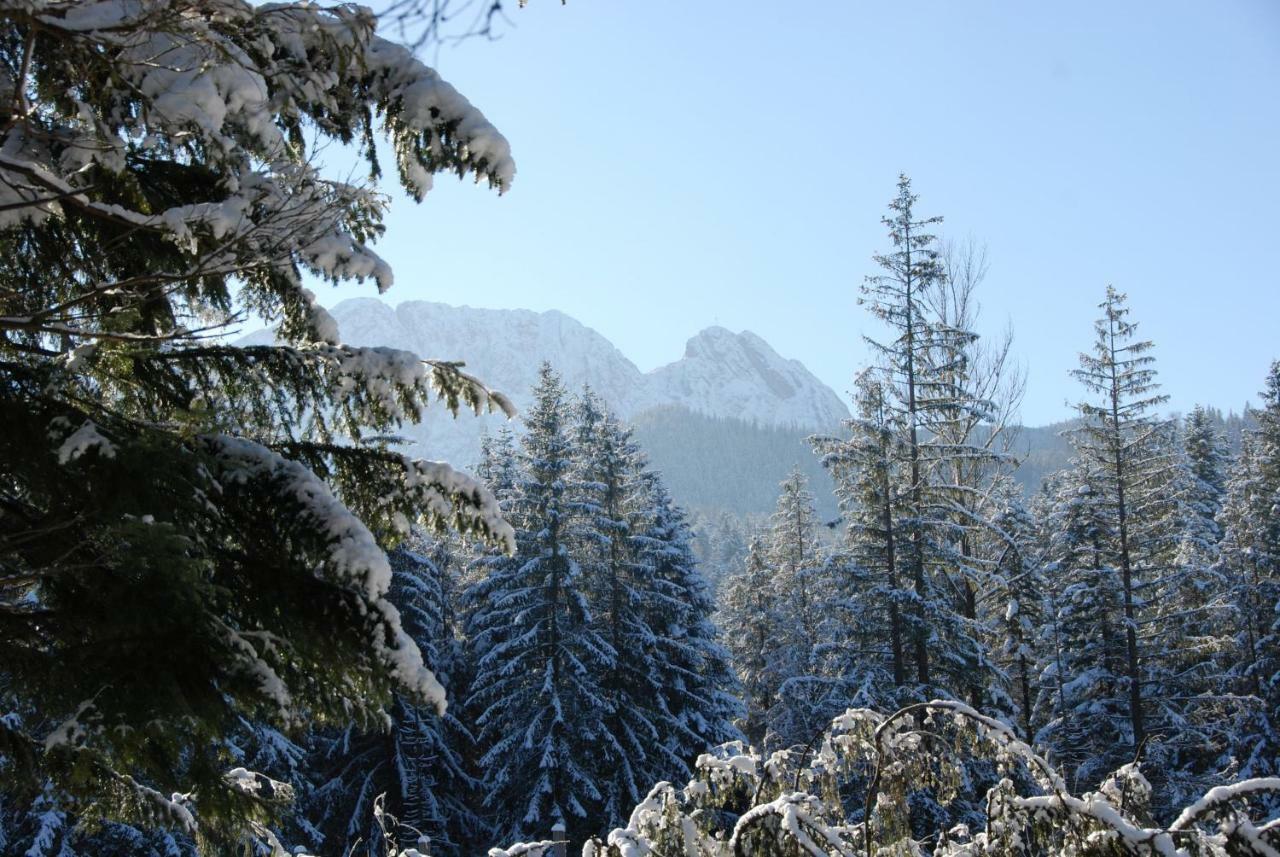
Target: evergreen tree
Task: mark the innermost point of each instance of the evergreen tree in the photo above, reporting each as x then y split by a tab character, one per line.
539	705
794	552
497	467
417	763
1190	618
1250	562
695	681
1206	450
1201	477
1119	442
633	749
187	527
753	627
896	298
1082	705
1151	505
805	701
1020	610
866	638
925	373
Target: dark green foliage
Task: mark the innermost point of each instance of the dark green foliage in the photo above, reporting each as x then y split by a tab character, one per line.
536	697
598	671
1250	563
417	763
187	529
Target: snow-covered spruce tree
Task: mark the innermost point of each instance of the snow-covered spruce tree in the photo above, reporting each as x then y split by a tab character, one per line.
1143	484
603	476
1019	574
1190	630
864	640
539	658
1118	442
1250	561
418	765
1198	488
498	466
187	527
924	370
805	700
1082	709
752	624
696	683
667	687
1209	458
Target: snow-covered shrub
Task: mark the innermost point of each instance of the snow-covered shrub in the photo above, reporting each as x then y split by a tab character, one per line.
849	796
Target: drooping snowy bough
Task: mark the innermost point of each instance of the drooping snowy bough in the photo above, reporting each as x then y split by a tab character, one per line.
849	795
192	533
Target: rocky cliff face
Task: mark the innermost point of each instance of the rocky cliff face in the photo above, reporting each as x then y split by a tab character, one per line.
502	347
726	374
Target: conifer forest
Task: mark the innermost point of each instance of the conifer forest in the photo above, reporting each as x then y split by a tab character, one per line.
239	615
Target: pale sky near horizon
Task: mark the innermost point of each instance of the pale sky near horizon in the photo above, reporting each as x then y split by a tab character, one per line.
683	164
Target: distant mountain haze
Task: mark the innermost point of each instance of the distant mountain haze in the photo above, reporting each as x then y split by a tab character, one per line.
724	423
722	375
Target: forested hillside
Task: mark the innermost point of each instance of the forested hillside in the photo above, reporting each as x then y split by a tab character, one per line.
719	464
1044	450
716	464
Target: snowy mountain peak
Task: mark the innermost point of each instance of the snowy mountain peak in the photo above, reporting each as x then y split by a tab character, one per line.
708	341
722	374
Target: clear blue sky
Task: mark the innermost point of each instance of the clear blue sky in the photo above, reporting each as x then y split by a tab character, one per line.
692	162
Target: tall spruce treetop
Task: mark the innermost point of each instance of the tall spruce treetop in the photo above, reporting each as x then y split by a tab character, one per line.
924	374
897	298
1120	373
187	528
539	658
1118	432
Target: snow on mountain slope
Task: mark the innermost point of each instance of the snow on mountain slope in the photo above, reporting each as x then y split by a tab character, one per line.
502	347
722	374
738	375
